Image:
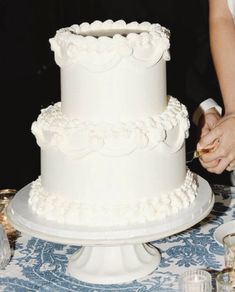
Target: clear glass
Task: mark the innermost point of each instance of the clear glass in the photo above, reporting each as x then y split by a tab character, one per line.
195	281
229	250
6	195
5	250
225	280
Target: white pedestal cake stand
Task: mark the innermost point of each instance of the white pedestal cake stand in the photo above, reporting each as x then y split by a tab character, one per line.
110	255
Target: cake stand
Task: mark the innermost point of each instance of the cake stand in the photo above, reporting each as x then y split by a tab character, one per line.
110	255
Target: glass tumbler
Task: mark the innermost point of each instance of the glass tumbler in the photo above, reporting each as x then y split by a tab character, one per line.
229	250
5	251
5	197
195	281
225	280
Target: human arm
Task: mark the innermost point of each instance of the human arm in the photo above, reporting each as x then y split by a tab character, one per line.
222	41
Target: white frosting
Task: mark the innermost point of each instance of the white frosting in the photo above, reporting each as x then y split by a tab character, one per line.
82	212
111	41
78	138
127	91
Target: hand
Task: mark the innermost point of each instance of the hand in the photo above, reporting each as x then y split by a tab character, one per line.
223	157
208	121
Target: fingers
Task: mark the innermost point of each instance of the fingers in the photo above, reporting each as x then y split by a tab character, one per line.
218	160
215	160
209	153
210	161
209	165
210	148
222	165
217	165
209	156
210	138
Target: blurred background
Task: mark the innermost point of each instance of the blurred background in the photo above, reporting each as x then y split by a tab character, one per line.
30	79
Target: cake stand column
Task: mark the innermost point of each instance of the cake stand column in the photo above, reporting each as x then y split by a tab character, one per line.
113	264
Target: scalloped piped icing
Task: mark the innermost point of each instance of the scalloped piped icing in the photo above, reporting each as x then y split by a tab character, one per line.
77	138
112	113
54	207
101	45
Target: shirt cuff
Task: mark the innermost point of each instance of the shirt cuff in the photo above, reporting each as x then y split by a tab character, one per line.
205	106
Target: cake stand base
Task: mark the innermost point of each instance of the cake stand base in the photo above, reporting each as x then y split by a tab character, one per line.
113	264
110	255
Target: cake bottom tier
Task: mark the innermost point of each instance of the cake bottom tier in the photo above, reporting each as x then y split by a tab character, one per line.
56	208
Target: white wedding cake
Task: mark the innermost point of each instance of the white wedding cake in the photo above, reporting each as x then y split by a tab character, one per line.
113	149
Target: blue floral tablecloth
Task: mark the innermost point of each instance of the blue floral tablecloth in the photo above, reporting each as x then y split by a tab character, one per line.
38	265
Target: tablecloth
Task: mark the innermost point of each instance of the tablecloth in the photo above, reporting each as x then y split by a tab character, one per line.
38	265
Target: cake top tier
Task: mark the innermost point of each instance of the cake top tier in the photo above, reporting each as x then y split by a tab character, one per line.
146	42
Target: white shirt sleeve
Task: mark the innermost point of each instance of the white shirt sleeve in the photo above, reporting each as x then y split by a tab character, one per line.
205	106
231	5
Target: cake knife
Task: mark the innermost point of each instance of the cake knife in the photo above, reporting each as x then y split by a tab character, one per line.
191	155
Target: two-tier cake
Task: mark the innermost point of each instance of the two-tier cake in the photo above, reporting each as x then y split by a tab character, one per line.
113	149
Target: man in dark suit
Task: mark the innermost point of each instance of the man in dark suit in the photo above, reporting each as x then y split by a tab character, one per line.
32	76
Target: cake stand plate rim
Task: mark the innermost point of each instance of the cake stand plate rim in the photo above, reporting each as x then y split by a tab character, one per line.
22	218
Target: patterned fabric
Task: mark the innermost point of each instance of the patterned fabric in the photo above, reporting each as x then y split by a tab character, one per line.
38	265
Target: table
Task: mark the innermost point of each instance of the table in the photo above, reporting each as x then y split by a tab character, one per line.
38	265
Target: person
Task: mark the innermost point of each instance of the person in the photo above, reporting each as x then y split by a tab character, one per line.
222	40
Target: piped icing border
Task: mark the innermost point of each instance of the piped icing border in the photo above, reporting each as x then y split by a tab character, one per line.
74	45
56	208
78	138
